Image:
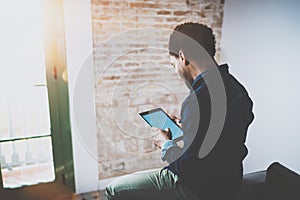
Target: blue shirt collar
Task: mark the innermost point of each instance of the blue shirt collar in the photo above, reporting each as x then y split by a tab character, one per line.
199	79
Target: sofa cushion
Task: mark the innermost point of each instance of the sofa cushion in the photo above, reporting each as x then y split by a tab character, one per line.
281	183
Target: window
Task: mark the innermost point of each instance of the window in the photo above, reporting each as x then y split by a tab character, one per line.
25	140
34	146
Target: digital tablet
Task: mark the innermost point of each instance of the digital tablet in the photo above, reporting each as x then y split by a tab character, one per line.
159	119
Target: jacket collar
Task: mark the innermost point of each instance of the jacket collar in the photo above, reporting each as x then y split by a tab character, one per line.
201	77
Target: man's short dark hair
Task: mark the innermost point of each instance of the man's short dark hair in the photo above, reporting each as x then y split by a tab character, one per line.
197	32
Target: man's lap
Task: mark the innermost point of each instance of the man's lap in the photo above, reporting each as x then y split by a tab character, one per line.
160	184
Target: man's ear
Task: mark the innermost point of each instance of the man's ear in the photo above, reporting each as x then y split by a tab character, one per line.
182	57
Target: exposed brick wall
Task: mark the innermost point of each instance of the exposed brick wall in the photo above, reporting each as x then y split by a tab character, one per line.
133	73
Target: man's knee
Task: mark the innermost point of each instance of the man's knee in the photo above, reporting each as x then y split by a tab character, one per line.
116	192
110	192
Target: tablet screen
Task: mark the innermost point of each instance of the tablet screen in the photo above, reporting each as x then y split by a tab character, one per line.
159	119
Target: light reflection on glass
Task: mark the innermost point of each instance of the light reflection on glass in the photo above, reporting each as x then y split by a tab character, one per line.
25	141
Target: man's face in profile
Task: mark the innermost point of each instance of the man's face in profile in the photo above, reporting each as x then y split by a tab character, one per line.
175	62
181	69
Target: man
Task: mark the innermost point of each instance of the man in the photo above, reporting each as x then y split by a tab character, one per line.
205	167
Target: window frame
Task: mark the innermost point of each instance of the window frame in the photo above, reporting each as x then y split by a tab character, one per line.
58	97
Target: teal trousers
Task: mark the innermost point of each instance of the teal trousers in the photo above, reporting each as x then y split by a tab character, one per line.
155	185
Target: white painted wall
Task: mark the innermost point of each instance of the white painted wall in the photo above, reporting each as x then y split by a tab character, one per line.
261	42
81	80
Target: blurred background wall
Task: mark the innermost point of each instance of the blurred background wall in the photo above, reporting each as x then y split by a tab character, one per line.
133	73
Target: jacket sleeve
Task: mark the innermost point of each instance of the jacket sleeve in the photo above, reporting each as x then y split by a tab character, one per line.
170	151
195	118
190	118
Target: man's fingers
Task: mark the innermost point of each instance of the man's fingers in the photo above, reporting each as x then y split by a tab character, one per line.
158	143
176	119
169	134
162	133
173	117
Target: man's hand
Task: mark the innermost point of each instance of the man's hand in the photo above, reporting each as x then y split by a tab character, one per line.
161	137
177	120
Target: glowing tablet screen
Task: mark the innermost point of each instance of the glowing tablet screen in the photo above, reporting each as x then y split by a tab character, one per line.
159	119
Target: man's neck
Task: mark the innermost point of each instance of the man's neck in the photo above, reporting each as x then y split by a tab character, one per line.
197	69
195	72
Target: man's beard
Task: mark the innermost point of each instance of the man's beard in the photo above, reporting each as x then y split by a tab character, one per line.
188	81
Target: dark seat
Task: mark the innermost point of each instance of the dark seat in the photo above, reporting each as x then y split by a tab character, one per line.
276	183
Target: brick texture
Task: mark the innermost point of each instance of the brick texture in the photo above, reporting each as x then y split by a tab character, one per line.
133	74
